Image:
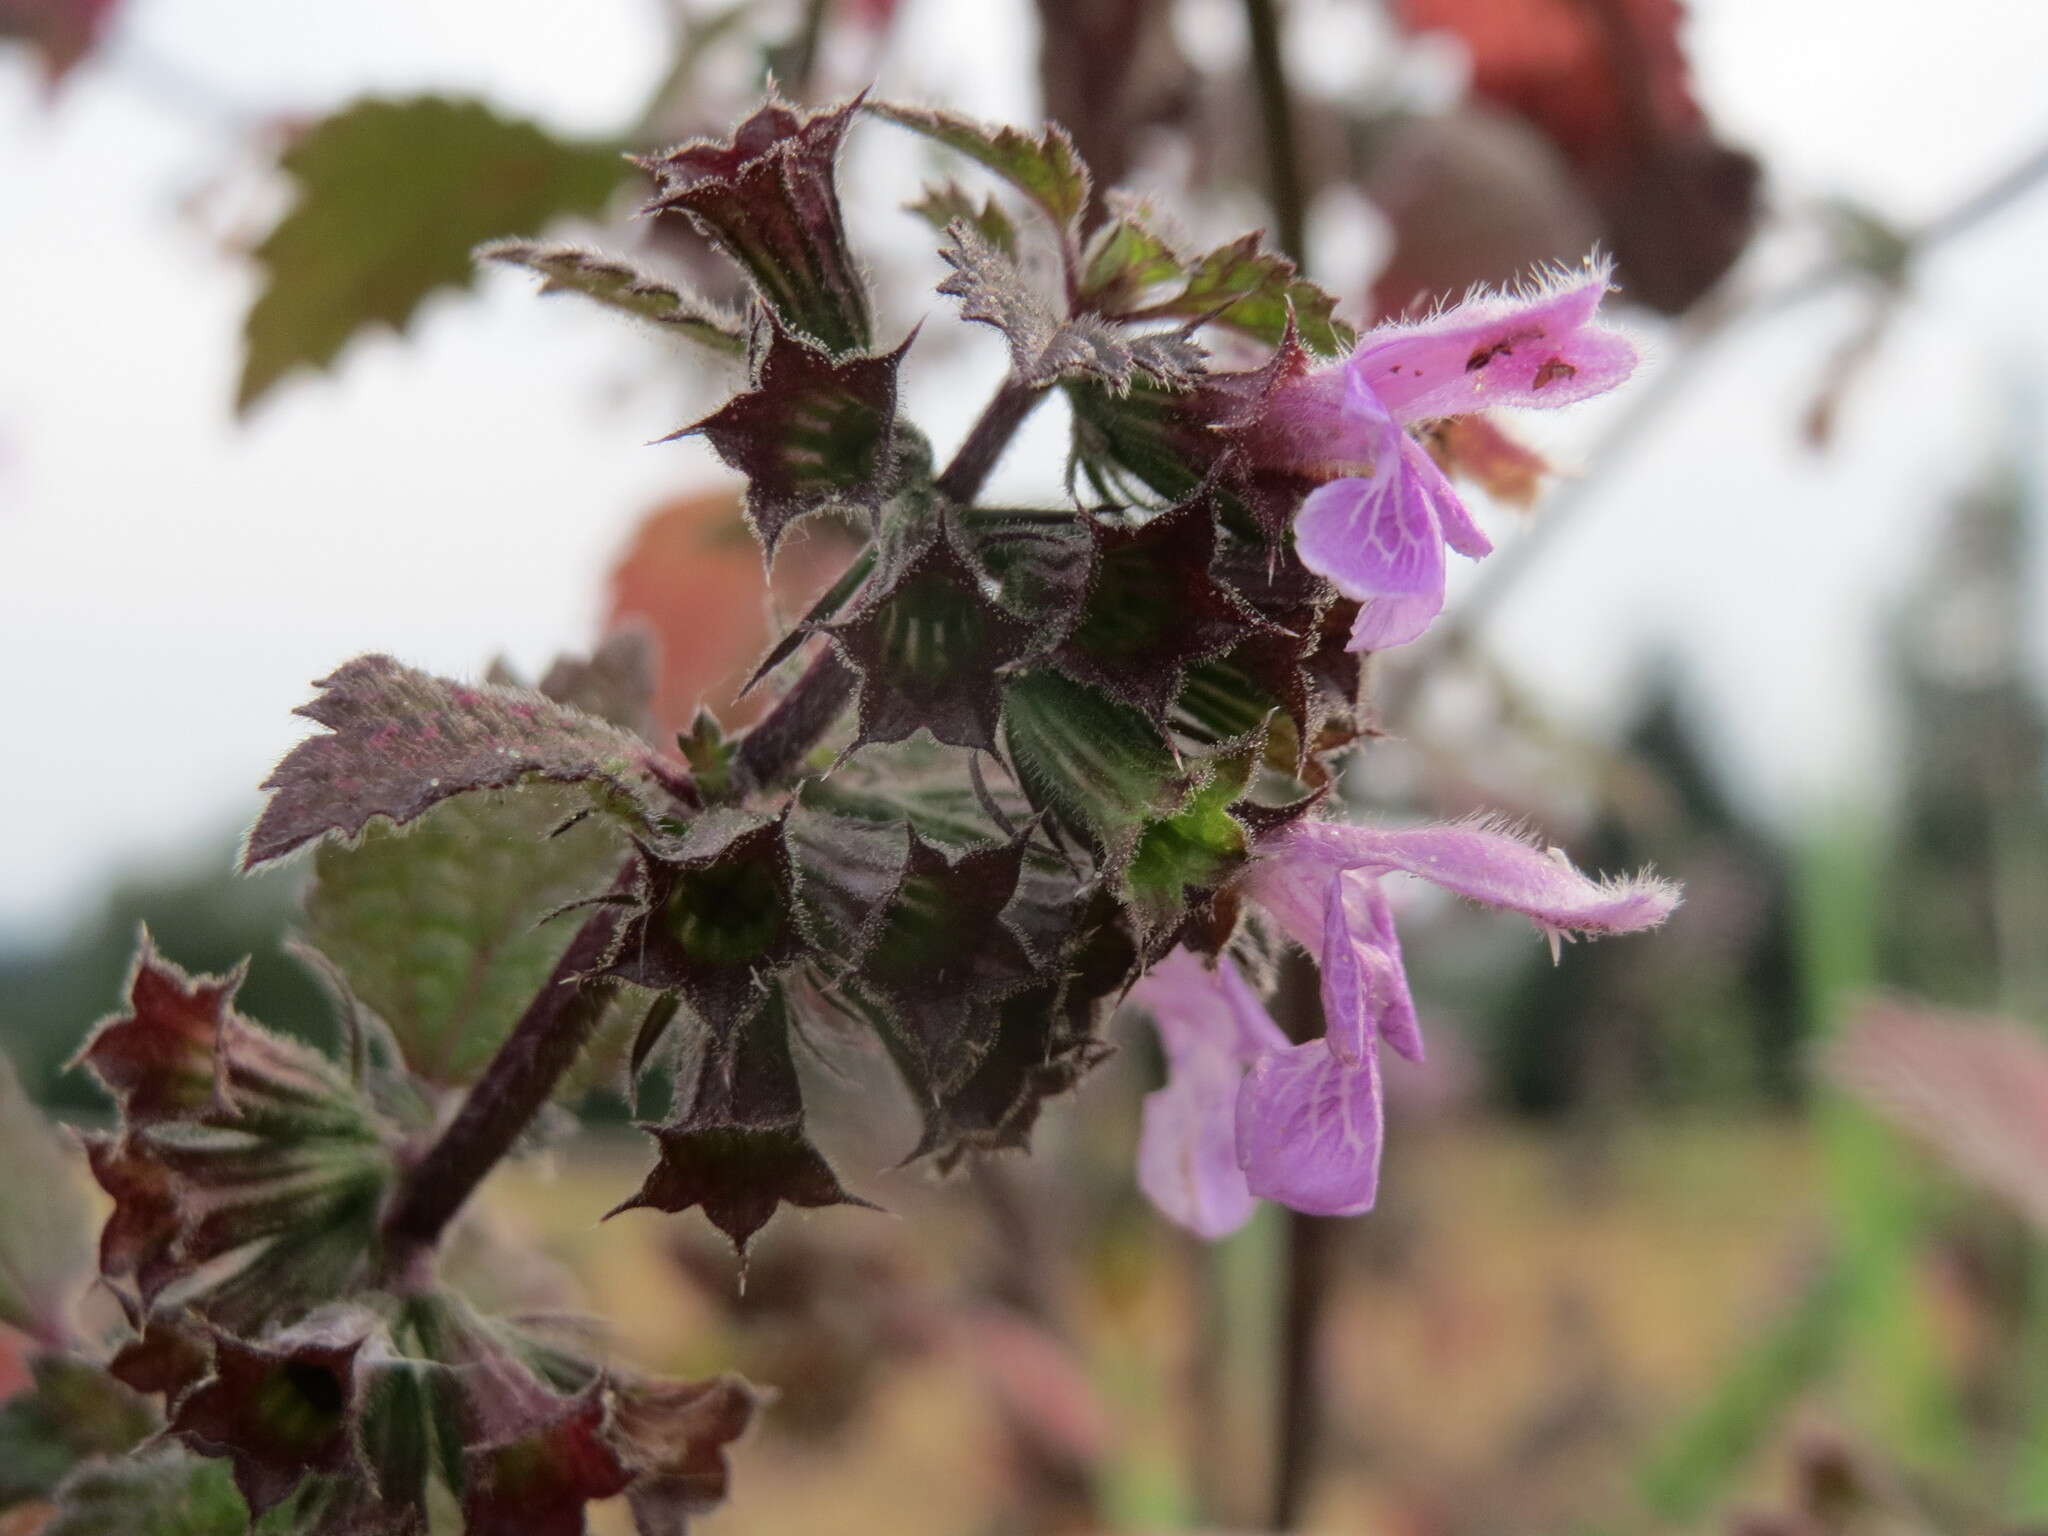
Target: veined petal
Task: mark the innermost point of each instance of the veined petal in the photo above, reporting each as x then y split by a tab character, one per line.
1187	1148
1459	531
1540	349
1308	1130
1373	537
1364	988
1199	1010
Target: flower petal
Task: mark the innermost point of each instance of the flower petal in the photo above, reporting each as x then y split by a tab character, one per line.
1376	537
1486	863
1199	1010
1539	350
1364	989
1386	622
1308	1130
1187	1148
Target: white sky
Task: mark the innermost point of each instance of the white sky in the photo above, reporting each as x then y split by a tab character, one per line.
171	581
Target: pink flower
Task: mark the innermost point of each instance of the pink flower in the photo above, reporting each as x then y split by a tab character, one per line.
1378	526
1302	1122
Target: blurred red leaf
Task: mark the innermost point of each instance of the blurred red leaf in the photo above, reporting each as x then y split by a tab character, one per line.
692	576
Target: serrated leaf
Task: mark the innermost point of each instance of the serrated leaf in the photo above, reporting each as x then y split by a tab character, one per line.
735	1144
617	285
1046	169
1255	291
1046	346
1100	764
1154	608
45	1225
813	432
767	197
401	741
441	926
941	205
1125	260
391	197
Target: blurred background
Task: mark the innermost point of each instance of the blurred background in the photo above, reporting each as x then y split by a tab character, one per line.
1684	1233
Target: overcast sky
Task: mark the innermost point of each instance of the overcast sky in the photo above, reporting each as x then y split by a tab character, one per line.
171	580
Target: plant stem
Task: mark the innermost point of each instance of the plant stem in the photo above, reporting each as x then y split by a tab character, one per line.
1304	1289
1276	115
962	479
543	1045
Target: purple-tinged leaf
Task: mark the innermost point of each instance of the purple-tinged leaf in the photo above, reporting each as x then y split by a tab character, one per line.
1046	346
401	741
1045	169
766	196
735	1143
1256	291
619	286
814	432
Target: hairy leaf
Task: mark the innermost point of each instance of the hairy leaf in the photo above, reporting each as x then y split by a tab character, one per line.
164	1492
391	197
617	285
767	197
1124	261
673	1435
813	432
537	1482
1044	346
45	1226
1041	563
941	205
1188	854
1256	291
443	926
74	1411
1045	168
401	741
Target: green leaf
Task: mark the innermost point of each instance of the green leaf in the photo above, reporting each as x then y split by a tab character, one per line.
1046	169
1253	290
45	1225
1125	260
74	1411
617	285
167	1492
1099	763
392	196
440	927
941	205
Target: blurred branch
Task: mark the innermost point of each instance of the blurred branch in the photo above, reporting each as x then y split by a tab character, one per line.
1276	116
1708	325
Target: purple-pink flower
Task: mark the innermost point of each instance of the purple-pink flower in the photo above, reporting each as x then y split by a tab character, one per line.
1244	1114
1378	526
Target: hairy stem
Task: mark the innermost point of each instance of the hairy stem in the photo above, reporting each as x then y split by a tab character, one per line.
543	1045
963	479
1303	1288
1276	118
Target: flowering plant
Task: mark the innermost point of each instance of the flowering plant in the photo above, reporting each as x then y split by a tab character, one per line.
1021	764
